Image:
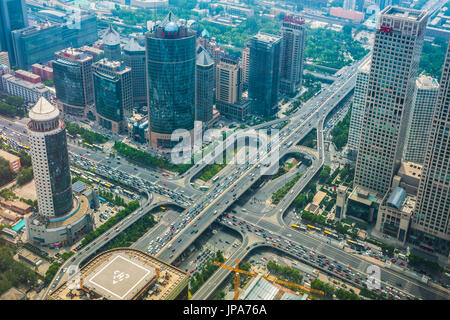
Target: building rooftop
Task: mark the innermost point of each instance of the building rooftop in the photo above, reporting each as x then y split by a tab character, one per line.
111	37
411	169
8	156
408	14
124	274
425	82
133	45
266	37
262	289
204	59
43	110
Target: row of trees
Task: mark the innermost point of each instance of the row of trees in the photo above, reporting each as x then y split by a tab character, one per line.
111	197
329	291
146	159
340	132
14	273
12	106
284	272
278	195
131	207
210	171
310	140
208	269
6	174
87	135
129	236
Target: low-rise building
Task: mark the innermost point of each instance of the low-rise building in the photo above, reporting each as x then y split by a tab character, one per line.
28	91
125	274
14	161
45	72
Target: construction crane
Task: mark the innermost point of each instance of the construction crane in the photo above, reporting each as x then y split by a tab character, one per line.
238	272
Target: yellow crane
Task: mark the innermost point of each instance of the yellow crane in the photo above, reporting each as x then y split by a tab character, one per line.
237	276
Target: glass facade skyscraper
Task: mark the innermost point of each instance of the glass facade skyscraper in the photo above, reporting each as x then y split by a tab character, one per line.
13	16
134	57
264	73
113	94
38	43
170	57
72	75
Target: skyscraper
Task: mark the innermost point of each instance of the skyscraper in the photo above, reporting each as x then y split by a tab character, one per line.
229	88
358	105
264	76
395	60
432	212
72	75
38	43
245	67
204	93
13	16
48	146
349	4
293	35
170	58
111	44
113	94
424	102
134	57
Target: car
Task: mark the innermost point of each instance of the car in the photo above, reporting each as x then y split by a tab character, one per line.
106	238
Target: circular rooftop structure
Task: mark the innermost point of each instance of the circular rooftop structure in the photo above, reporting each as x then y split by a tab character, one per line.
43	111
171	27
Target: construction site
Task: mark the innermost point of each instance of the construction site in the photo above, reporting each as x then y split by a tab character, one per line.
124	274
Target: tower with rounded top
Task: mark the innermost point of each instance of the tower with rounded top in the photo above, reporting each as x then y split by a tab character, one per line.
50	159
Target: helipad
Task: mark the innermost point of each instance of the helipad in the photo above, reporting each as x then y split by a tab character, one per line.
121	278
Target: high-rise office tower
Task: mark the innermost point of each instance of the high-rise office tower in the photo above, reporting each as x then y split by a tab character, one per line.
13	16
38	43
432	212
72	76
395	60
48	147
229	87
358	105
349	4
264	76
424	102
113	94
293	35
204	92
359	5
111	44
245	66
134	57
170	58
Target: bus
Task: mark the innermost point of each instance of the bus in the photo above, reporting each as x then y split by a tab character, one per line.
97	147
313	228
215	179
163	208
331	234
301	228
356	245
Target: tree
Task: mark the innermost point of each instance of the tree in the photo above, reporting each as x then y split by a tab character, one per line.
25	175
6	175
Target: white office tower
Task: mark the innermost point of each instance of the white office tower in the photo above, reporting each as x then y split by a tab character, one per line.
48	146
349	4
358	105
424	103
396	53
432	213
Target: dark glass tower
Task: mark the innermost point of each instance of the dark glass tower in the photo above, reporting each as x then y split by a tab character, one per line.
13	16
72	75
170	57
113	94
264	75
205	86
